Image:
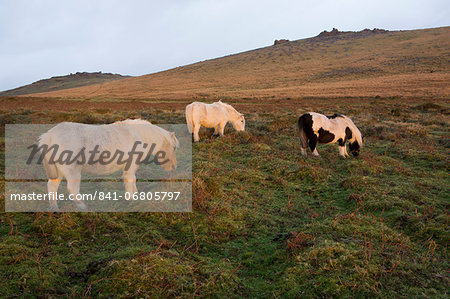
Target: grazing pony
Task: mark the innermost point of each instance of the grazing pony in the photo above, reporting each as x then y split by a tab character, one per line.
123	140
315	127
215	115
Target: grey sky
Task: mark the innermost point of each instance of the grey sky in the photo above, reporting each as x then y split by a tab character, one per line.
41	39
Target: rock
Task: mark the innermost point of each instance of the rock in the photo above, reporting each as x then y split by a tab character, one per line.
280	41
336	32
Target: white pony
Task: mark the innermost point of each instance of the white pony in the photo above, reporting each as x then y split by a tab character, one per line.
215	115
315	127
75	144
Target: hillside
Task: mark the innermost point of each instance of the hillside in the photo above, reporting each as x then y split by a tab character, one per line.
367	63
63	82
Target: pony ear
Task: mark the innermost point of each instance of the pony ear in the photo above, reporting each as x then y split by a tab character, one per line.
174	138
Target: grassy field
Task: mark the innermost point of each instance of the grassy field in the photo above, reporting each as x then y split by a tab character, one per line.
266	222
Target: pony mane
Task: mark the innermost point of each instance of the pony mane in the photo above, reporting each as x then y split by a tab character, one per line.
137	121
355	130
228	106
175	142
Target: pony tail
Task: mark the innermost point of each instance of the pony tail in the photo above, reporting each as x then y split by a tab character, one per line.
189	118
356	132
50	168
302	133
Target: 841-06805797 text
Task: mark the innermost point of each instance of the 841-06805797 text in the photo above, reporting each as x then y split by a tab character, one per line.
158	195
102	196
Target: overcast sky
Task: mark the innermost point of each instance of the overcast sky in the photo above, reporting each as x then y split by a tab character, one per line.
41	39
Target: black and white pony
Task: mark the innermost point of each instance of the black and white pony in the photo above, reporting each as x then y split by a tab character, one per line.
315	127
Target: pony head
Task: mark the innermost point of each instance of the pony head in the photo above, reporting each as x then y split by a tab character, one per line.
353	136
236	118
239	122
355	143
170	145
354	148
168	142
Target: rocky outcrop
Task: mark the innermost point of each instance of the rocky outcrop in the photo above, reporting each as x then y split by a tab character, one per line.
336	32
280	41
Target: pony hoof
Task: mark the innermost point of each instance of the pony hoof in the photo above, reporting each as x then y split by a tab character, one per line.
82	207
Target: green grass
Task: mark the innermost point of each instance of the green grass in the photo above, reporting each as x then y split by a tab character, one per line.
266	222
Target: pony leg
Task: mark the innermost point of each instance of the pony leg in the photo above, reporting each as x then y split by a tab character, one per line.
222	128
315	152
52	188
303	150
73	186
342	152
342	147
345	151
216	130
129	180
312	146
196	129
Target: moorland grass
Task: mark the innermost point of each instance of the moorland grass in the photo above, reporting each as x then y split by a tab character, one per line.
266	222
